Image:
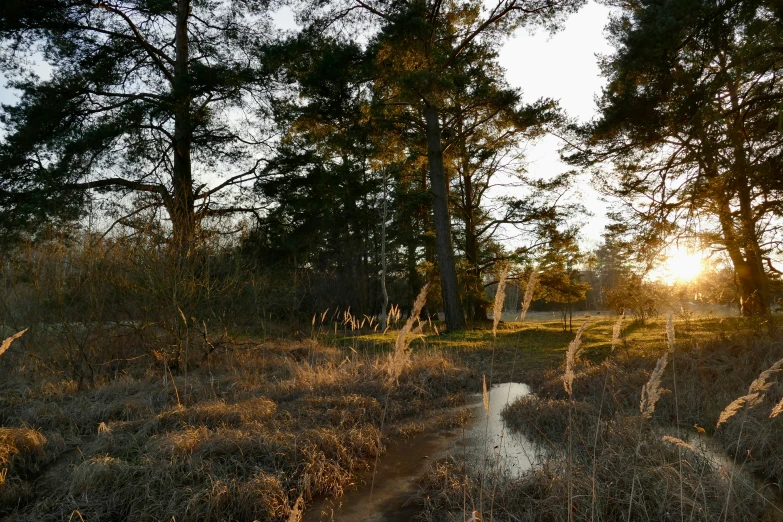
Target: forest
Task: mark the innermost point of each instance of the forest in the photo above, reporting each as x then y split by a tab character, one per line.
295	260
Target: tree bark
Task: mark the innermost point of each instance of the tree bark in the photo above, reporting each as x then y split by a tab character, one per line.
749	292
455	320
384	316
183	215
758	301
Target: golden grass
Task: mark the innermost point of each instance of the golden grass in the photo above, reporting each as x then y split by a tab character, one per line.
257	429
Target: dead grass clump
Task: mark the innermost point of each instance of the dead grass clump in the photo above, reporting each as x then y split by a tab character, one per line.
21	449
215	414
545	421
622	458
261	497
253	432
23	453
623	384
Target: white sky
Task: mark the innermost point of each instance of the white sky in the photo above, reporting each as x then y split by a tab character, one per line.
562	66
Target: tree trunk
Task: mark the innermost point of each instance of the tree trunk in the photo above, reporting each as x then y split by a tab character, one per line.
749	292
383	258
478	305
455	320
757	302
183	215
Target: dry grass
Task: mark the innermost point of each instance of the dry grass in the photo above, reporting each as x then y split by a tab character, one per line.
607	459
541	494
256	430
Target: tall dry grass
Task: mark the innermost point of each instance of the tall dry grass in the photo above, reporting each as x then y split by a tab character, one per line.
258	428
530	289
619	459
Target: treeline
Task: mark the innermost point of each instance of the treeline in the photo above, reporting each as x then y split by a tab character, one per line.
379	146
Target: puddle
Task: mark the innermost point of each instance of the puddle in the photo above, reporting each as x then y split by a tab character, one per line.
406	461
488	437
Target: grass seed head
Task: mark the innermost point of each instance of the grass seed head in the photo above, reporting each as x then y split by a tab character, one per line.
755	394
500	297
6	344
651	391
573	352
529	290
677	442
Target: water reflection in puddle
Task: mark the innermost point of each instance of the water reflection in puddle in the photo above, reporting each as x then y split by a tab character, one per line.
485	438
488	437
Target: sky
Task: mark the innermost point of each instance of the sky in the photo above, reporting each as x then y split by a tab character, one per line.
562	66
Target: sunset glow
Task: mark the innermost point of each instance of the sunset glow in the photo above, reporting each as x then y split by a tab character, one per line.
682	266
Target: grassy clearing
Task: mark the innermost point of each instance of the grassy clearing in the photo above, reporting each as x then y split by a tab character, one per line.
601	457
244	433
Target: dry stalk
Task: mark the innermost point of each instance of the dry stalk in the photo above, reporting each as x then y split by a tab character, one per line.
755	394
529	289
617	330
500	297
485	395
651	391
574	349
6	344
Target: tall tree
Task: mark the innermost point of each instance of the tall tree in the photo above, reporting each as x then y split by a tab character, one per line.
147	98
324	181
419	48
488	127
691	121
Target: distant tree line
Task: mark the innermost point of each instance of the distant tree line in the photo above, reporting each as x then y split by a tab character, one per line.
379	146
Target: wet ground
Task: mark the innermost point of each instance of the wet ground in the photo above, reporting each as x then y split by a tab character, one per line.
385	499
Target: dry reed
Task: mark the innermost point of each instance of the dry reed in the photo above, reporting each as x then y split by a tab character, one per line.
677	442
651	391
6	344
755	394
399	358
529	290
574	350
500	297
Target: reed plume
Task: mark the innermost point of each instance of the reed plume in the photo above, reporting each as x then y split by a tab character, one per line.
755	394
399	358
500	297
651	391
529	289
7	343
777	410
573	352
677	442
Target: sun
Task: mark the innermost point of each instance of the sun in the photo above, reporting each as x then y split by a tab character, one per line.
682	266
